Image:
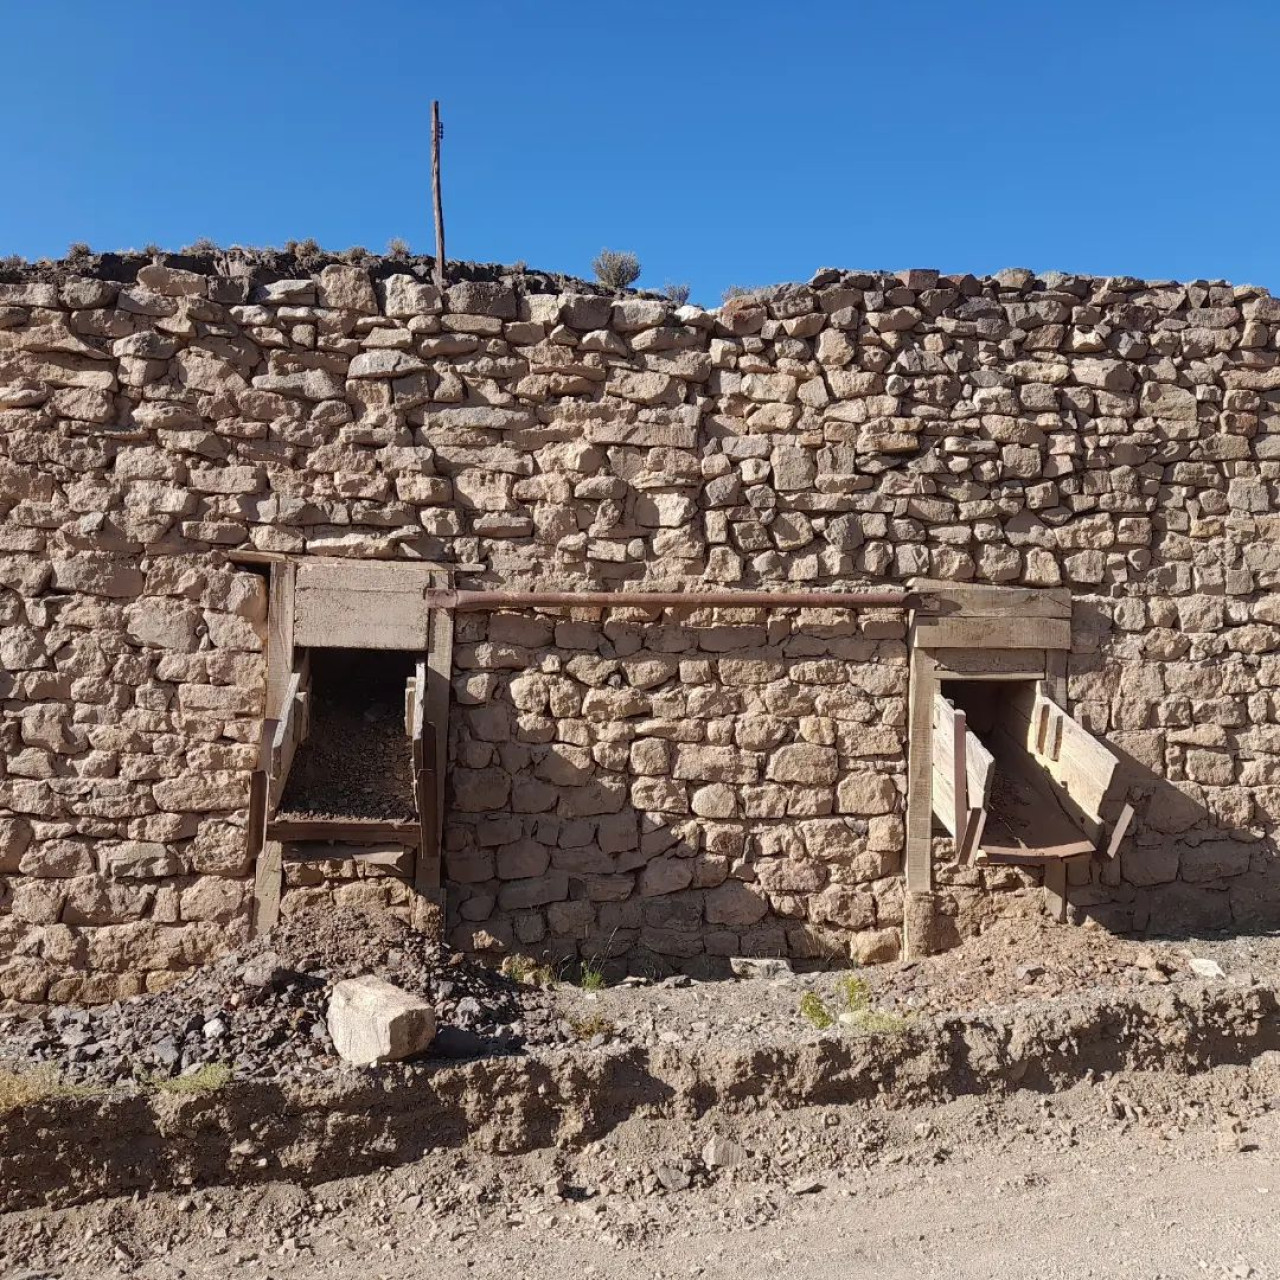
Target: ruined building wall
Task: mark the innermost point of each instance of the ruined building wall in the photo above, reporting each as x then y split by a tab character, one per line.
669	786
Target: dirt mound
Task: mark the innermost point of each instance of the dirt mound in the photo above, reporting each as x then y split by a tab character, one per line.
261	1010
1020	959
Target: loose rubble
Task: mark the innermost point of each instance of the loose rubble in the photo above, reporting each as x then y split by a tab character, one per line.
262	1010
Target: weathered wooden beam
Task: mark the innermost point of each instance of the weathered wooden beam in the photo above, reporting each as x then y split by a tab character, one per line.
355	830
267	883
993	633
920	693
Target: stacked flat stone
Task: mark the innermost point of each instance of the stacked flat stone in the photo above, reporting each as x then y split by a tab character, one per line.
661	788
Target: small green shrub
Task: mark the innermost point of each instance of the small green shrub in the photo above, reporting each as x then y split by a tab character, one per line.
855	993
589	1028
528	972
592	977
815	1012
875	1022
616	270
208	1079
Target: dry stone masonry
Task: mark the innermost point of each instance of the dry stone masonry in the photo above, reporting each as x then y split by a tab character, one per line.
663	788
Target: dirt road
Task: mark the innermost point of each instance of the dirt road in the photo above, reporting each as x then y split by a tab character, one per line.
1142	1175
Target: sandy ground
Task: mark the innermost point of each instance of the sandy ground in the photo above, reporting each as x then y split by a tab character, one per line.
1145	1175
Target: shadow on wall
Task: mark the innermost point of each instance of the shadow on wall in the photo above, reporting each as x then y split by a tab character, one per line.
661	798
1182	875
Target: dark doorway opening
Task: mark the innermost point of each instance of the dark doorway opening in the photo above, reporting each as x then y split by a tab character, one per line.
1024	819
356	761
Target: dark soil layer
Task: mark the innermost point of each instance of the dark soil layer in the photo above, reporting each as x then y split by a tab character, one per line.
257	266
261	1010
357	761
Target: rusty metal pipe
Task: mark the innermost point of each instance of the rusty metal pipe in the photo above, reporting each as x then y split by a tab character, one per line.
890	597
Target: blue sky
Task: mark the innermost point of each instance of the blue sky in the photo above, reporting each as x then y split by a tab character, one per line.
724	141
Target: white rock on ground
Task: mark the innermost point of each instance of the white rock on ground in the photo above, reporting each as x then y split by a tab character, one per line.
372	1020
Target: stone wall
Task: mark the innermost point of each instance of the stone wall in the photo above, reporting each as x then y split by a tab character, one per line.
621	781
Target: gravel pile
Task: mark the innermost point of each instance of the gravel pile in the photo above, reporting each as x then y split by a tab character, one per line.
261	1010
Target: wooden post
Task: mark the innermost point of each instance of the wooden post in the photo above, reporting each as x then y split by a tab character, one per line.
267	854
436	134
435	692
922	685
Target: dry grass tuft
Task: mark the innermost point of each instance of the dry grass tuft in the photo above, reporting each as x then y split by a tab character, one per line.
40	1084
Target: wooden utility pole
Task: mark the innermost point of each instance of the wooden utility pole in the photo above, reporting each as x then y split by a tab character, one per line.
436	133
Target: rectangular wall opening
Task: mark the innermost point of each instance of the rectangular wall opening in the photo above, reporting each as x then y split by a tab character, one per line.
1006	740
356	761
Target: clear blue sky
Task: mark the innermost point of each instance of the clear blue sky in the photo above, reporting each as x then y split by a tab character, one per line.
724	141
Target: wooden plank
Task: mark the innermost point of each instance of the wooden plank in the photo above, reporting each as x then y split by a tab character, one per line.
355	830
980	772
424	788
991	664
267	881
280	638
397	857
1055	889
919	858
1082	768
340	619
949	781
993	633
290	733
267	874
1032	855
256	826
439	689
974	828
1120	830
974	600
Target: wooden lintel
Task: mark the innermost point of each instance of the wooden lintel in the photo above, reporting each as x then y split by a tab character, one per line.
978	600
992	633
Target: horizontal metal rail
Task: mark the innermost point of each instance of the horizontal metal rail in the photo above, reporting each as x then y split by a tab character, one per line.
886	598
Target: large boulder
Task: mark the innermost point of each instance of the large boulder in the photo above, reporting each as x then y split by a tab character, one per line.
372	1020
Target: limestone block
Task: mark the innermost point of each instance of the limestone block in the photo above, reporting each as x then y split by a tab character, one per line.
715	764
522	860
1160	400
480	790
164	624
404	296
533	892
1214	860
140	860
1149	864
866	793
15	838
844	905
372	1021
665	875
804	762
734	903
347	288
